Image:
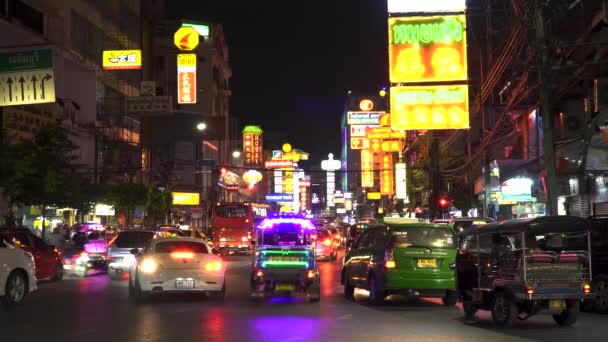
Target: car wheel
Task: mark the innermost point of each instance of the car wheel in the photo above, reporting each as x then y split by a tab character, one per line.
136	293
349	289
450	298
504	310
600	288
376	291
15	290
570	315
58	272
219	295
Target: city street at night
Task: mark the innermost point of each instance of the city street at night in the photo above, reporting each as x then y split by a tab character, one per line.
98	309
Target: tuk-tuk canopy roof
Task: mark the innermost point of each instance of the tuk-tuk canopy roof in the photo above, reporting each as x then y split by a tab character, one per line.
539	225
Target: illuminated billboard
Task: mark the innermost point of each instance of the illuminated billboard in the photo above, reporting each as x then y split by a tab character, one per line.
359	144
252	145
363	118
400	181
384	133
414	6
430	107
386	175
367	164
186	78
186	198
427	49
121	59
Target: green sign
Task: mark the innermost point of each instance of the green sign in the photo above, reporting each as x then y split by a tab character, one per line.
26	60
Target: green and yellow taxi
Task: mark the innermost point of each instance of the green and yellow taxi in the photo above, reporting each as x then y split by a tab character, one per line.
410	259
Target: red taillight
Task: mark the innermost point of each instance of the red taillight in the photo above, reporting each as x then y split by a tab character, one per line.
182	255
310	274
530	291
327	242
259	273
213	266
390	264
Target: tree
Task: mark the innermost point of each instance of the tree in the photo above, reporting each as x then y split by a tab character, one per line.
127	197
158	203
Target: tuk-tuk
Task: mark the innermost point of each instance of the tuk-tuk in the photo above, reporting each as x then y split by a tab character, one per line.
284	259
518	268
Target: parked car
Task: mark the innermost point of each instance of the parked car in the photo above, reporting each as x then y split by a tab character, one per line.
119	257
176	265
17	274
48	260
519	268
413	259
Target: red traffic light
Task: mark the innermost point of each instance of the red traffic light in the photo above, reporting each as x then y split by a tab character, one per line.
443	202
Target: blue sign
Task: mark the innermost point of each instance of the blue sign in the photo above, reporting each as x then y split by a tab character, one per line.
277	154
273	198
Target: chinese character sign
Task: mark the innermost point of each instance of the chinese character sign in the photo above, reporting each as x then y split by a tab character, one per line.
367	174
427	49
386	175
257	149
186	78
121	59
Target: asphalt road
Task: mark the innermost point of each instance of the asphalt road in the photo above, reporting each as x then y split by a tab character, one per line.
97	309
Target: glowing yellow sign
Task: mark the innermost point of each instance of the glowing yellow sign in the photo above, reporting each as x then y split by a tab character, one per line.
383	133
366	105
367	164
386	175
186	38
430	107
374	196
359	144
121	59
186	198
423	49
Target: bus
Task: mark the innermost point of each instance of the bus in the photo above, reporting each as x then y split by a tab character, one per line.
233	224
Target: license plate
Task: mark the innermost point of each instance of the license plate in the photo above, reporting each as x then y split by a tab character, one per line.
557	305
427	263
184	284
283	258
285	287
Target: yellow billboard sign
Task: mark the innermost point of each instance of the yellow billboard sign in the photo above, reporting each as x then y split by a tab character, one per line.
367	165
430	107
121	59
186	38
186	198
427	49
374	195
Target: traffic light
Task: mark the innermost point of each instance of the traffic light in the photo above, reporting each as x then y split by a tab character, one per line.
443	202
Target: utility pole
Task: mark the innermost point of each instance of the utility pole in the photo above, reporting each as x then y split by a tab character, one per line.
435	175
546	110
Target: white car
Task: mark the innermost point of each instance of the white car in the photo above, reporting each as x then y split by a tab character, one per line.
176	265
17	274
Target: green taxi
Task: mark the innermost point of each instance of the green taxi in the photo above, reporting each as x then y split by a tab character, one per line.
410	259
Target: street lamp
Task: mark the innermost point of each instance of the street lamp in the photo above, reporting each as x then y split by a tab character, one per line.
236	154
201	126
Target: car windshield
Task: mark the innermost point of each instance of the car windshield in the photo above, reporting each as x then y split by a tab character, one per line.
427	237
287	234
133	239
180	246
232	211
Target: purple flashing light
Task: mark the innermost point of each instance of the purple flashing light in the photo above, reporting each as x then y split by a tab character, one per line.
269	223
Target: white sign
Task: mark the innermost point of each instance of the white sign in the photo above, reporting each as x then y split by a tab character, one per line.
148	104
417	6
331	186
104	210
330	164
27	87
400	182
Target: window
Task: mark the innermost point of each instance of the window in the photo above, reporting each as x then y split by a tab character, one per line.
232	211
427	237
365	240
181	246
286	234
133	239
485	243
466	244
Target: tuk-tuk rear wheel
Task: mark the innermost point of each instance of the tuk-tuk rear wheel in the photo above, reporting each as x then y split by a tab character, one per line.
570	315
504	310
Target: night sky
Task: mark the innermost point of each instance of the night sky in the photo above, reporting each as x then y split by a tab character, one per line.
294	61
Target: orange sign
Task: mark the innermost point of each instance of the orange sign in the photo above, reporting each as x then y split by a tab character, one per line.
367	164
385	120
366	105
186	38
378	145
423	49
386	175
359	144
186	87
430	107
384	133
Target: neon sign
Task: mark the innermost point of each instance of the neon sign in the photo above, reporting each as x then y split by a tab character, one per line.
408	6
363	118
427	49
367	163
386	176
430	107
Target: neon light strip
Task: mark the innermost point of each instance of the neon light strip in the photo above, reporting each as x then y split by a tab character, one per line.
284	252
284	263
268	223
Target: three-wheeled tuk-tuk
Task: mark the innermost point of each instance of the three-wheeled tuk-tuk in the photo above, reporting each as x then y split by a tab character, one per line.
518	268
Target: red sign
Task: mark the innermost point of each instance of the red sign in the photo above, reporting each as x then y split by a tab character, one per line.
359	144
279	164
186	87
257	149
248	148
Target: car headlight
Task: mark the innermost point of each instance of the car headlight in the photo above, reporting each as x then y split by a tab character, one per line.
148	266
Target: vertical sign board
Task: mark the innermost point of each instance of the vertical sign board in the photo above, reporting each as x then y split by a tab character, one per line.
186	78
400	181
278	181
27	77
331	186
386	176
367	174
252	145
248	148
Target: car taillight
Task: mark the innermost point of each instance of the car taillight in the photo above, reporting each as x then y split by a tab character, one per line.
182	255
213	266
244	239
327	242
111	242
389	259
